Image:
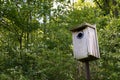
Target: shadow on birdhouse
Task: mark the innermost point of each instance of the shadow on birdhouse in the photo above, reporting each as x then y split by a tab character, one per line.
85	42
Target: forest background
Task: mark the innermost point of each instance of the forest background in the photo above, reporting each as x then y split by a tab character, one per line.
36	44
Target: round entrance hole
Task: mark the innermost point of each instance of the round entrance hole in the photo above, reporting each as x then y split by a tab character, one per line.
80	35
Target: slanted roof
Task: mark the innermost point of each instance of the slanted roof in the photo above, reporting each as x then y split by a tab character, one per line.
81	27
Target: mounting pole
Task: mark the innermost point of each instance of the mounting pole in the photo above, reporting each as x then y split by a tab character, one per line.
87	70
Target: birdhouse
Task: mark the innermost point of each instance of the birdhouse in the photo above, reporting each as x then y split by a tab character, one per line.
85	42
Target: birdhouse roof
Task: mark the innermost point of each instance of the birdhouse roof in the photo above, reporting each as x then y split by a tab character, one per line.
82	26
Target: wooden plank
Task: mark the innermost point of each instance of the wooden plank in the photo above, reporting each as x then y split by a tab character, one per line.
98	53
92	43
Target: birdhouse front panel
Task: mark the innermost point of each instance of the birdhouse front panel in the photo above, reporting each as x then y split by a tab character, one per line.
80	44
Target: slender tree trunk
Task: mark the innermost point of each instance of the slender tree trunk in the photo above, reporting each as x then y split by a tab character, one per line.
44	21
115	9
20	43
20	40
80	71
106	6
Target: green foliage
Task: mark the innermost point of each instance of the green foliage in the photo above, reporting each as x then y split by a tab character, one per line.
109	46
36	44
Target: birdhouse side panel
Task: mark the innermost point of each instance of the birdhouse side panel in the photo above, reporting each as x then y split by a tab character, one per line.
92	43
98	53
80	45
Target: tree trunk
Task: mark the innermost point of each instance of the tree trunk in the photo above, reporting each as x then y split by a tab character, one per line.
115	9
106	7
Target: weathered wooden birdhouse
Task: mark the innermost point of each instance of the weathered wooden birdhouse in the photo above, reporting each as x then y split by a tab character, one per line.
85	43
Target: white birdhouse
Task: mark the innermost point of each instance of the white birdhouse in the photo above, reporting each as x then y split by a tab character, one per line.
85	42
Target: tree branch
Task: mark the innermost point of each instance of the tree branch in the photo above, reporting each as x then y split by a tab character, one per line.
98	4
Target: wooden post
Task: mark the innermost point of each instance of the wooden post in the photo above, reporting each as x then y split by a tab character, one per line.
87	70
